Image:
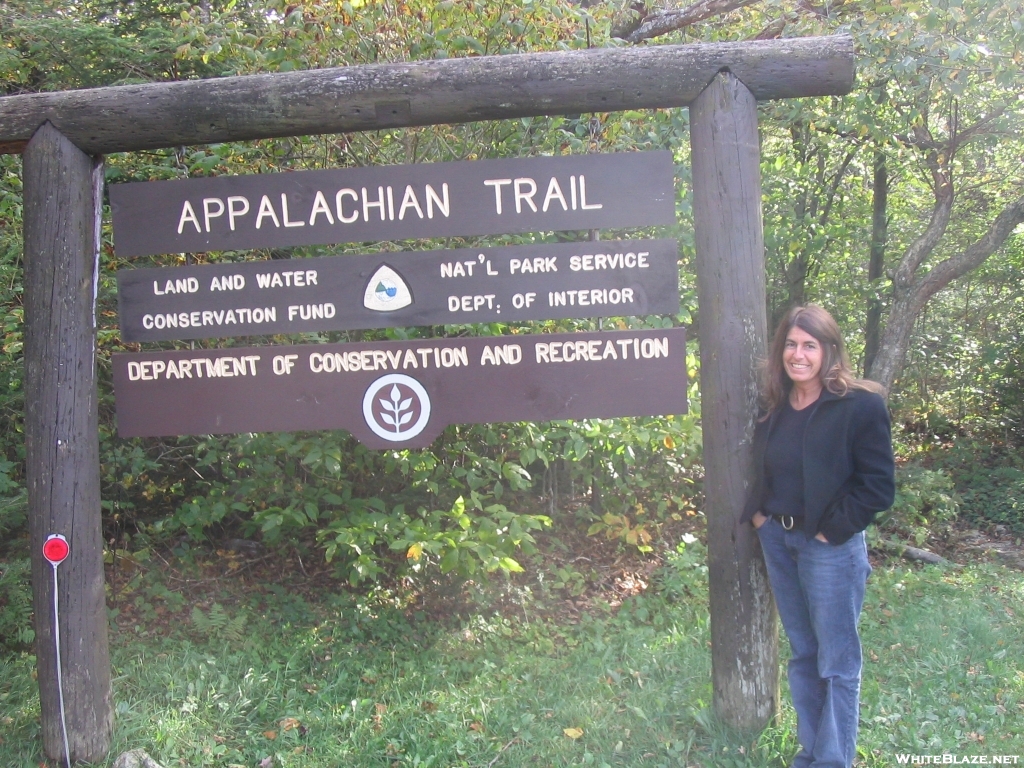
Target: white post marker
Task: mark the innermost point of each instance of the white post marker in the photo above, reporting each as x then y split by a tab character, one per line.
56	551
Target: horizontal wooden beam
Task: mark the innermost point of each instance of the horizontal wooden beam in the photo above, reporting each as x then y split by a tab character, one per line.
370	97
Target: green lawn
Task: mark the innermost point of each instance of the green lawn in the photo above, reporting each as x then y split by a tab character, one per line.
344	681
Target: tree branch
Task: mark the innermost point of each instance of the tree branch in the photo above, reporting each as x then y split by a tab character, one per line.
980	128
830	196
662	23
922	138
926	242
943	273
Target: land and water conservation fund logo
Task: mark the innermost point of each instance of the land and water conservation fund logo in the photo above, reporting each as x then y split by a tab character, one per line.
396	407
386	291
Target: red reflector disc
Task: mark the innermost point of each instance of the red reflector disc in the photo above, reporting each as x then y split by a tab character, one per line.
56	549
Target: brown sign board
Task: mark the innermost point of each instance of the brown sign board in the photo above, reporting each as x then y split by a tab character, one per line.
426	200
401	394
607	278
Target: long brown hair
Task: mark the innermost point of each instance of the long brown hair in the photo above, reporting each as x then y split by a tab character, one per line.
836	373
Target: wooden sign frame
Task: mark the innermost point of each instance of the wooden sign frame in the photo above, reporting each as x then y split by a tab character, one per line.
63	134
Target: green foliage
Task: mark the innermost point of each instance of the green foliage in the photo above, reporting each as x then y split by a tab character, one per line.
926	504
356	501
15	587
1008	387
685	572
448	507
989	479
624	463
567	578
620	527
15	603
217	626
995	496
13	510
460	539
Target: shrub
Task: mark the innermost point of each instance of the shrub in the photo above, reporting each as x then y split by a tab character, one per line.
15	603
995	495
468	503
15	589
685	571
926	503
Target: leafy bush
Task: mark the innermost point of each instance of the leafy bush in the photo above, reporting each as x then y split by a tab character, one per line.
995	495
926	503
15	603
437	507
15	588
685	572
989	475
463	505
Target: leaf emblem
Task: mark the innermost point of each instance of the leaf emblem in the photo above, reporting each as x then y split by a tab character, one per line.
396	411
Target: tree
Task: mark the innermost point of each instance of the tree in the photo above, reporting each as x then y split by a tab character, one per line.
923	159
958	124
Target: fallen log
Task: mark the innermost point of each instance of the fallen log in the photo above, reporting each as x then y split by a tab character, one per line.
912	553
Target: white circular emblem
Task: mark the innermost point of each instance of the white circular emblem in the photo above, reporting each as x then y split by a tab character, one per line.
396	407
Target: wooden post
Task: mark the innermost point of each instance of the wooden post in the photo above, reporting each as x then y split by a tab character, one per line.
731	297
62	187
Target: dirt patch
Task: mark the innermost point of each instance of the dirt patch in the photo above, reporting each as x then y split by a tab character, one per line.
999	545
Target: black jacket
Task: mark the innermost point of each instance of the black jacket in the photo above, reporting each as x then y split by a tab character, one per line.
849	473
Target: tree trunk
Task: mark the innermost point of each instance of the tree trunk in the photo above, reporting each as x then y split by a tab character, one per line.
63	188
879	233
731	293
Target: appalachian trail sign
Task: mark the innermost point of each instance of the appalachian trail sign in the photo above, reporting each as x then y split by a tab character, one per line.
395	394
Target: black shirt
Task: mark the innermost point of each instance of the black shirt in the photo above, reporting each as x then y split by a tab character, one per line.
784	462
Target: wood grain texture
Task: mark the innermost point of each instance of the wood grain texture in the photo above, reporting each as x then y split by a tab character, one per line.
371	97
61	189
731	296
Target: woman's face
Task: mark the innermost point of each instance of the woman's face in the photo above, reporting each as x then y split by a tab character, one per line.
801	356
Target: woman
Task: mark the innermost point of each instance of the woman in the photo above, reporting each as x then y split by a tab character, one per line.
823	467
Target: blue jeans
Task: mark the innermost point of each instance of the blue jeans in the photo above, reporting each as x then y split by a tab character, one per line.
819	591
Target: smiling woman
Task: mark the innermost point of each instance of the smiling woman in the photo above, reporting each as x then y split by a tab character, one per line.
823	467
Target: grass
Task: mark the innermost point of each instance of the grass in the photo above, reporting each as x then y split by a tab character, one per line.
347	681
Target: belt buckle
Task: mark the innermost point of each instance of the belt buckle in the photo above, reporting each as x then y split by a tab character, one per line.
787	519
